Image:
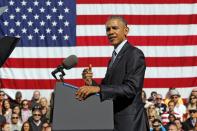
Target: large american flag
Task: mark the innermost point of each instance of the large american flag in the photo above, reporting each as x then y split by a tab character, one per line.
51	30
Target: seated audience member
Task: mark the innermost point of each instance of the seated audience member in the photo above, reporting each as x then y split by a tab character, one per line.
157	126
173	127
189	124
2	94
26	126
16	109
15	123
164	116
18	97
145	101
179	124
179	108
6	127
194	91
171	119
168	96
160	106
192	104
25	110
151	118
7	111
36	121
35	99
152	98
2	120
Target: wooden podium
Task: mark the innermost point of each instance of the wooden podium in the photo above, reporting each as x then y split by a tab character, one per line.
73	115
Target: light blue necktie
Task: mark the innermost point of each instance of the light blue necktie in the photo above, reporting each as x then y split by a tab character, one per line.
114	54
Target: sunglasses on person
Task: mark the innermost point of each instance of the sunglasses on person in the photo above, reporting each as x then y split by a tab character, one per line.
14	117
158	98
174	97
37	114
192	98
25	104
192	111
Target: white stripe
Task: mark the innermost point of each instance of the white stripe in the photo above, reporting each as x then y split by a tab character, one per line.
100	51
141	30
99	72
136	9
27	94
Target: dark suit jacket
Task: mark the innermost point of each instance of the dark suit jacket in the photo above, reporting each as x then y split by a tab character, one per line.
123	84
187	125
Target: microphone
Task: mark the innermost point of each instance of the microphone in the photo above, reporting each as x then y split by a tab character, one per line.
67	64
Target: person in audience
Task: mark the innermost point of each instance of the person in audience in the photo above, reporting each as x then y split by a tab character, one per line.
35	99
6	127
44	111
18	97
173	127
160	106
7	111
44	102
2	94
2	120
192	102
171	119
35	121
194	91
168	96
15	124
145	101
26	126
25	111
152	98
16	109
157	126
179	124
164	116
179	108
51	107
189	124
44	126
151	117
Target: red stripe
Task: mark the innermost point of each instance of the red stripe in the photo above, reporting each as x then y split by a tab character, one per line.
50	84
140	40
139	19
97	62
135	1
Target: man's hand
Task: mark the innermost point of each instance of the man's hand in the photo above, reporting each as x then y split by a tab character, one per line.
86	91
87	75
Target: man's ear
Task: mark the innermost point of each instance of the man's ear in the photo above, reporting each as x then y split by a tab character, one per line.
126	30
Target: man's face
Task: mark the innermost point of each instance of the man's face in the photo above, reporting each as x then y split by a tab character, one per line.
158	99
36	95
37	115
171	106
172	128
2	95
156	126
14	118
116	31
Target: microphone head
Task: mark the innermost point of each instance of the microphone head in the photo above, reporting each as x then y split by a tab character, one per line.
70	62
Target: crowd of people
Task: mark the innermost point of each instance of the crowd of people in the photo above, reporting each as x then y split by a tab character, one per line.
172	112
20	114
165	113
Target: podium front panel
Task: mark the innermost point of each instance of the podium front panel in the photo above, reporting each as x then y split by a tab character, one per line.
73	115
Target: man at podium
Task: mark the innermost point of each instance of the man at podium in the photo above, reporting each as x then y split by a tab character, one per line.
123	80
